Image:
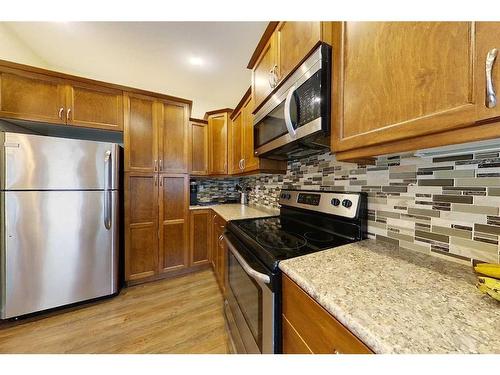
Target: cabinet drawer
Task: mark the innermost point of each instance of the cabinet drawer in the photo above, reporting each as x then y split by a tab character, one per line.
292	342
320	331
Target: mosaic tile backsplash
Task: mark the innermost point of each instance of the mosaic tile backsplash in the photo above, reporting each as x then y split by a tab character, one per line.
443	206
210	190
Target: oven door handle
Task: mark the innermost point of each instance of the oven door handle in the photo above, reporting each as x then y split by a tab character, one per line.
288	118
249	270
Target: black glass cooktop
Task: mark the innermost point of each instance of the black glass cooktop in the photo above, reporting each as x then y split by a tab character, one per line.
279	238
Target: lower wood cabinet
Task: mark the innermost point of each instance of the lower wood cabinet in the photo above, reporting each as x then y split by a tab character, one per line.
200	239
219	251
173	233
156	226
207	245
141	226
309	329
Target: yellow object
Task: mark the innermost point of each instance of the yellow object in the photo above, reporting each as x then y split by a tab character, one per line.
493	294
490	282
488	269
482	288
482	285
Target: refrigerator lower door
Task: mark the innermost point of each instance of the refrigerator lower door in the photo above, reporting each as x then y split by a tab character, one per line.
35	162
57	249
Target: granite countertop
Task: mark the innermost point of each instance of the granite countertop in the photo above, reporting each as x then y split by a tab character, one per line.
236	211
400	301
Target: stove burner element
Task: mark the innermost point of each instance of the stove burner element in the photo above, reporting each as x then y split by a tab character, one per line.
281	240
318	236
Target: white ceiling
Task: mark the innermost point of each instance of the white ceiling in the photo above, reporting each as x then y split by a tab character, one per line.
152	55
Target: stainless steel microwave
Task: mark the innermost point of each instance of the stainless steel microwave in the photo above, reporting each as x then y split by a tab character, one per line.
295	121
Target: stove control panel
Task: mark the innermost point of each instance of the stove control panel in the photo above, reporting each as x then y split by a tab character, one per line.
333	203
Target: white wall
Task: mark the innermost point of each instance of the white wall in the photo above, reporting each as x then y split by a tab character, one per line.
14	49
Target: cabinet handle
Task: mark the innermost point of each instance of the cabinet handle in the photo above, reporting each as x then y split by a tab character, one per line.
68	114
156	180
240	165
156	165
491	97
273	79
335	351
161	182
161	165
60	113
243	163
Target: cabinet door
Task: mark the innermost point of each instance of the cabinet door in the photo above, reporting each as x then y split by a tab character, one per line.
199	148
213	240
251	162
174	205
262	72
141	225
235	152
200	236
30	96
174	140
395	80
295	41
220	251
94	106
217	132
141	145
487	38
308	327
223	265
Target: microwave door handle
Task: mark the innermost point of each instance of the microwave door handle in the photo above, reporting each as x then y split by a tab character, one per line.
288	119
249	270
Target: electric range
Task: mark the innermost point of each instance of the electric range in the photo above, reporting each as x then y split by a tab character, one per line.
309	221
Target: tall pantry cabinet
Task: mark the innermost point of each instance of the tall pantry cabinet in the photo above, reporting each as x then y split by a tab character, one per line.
156	187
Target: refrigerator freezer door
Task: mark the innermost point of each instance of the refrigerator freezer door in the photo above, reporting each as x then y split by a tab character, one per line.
57	249
34	162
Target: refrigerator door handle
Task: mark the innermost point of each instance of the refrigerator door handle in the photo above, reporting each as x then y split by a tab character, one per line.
107	191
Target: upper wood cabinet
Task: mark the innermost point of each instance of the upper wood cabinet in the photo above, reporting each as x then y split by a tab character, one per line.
487	40
400	80
141	133
295	41
283	50
156	135
94	107
31	96
199	147
141	226
235	143
174	141
217	138
250	161
240	142
265	72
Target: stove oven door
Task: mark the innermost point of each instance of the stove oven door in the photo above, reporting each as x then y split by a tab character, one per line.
249	305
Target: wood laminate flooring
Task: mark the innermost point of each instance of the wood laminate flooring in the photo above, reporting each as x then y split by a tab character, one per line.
182	315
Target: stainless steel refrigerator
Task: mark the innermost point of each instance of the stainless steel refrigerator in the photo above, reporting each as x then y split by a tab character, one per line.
58	222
